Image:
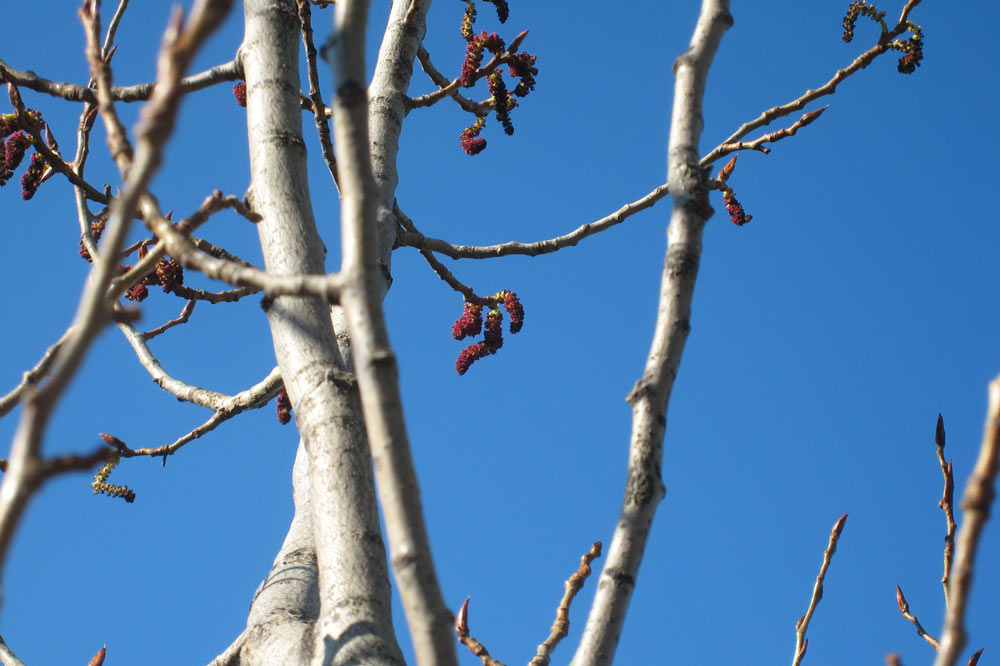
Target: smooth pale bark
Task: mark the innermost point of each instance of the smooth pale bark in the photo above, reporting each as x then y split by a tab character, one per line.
649	399
354	623
429	620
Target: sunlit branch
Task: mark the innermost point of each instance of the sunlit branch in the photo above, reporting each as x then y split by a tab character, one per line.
421	242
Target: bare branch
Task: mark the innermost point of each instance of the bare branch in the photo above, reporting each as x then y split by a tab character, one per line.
415	239
803	624
976	503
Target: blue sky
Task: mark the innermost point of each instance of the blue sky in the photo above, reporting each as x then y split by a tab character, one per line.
827	335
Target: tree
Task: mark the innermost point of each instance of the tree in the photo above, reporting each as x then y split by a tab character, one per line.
331	420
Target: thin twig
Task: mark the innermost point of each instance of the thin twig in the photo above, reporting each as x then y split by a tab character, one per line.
904	608
827	88
227	407
475	647
772	137
315	96
93	312
116	19
228	71
947	504
182	318
438	78
976	503
801	643
561	626
440	269
421	242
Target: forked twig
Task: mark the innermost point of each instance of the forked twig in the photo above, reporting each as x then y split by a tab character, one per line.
801	643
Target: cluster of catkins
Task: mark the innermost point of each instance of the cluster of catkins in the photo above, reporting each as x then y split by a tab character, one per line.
168	273
520	66
15	143
912	48
471	324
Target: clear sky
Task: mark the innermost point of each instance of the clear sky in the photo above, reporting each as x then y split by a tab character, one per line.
827	335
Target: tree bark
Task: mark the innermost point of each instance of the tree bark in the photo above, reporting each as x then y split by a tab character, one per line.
354	624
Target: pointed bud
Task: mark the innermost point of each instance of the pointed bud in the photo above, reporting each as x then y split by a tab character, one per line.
725	172
98	659
811	116
904	607
462	619
939	432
